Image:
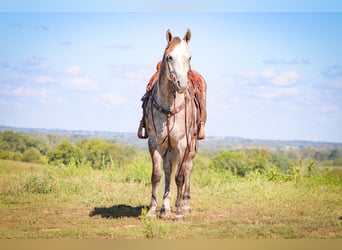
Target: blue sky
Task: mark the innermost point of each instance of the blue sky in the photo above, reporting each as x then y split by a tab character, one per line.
270	75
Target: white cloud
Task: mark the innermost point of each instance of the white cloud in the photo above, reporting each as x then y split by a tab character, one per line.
24	91
286	78
268	73
329	108
83	83
44	79
73	70
114	100
270	94
32	64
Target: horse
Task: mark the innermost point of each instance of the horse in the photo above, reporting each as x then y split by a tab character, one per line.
171	120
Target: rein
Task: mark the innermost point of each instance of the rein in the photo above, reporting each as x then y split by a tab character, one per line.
171	112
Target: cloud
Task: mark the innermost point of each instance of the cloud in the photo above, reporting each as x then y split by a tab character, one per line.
32	64
268	76
24	91
83	83
114	100
274	93
334	71
286	62
45	79
268	73
286	78
132	72
73	70
329	108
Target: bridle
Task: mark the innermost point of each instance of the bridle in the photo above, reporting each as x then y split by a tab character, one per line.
173	75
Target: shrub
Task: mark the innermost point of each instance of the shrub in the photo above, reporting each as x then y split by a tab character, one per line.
32	155
65	153
39	184
241	162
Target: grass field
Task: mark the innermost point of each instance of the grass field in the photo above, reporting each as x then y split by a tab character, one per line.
44	202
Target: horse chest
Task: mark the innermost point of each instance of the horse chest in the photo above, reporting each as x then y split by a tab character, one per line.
167	129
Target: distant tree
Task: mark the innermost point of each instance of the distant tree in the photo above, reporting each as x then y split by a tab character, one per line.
13	141
65	153
256	159
281	161
32	155
8	155
104	155
241	162
19	142
229	160
334	154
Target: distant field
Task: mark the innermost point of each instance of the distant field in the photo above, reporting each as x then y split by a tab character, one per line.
44	202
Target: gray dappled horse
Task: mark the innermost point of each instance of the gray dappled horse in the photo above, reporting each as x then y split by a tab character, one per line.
171	120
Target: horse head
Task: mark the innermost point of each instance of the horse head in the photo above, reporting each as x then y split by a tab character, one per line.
177	58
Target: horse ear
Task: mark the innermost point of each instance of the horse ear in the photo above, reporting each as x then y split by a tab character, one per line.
168	36
187	36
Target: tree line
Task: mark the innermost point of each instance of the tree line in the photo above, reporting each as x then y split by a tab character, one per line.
109	154
59	150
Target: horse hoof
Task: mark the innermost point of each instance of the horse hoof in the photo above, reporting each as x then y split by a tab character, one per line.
165	213
151	215
179	218
165	216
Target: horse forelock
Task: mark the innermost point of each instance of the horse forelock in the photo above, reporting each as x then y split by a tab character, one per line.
170	47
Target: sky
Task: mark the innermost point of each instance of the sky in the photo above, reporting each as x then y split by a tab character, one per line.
270	74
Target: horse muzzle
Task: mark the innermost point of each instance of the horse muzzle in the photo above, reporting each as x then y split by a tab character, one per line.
180	86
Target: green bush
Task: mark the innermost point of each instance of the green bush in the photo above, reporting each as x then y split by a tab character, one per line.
241	162
64	153
32	155
39	184
8	155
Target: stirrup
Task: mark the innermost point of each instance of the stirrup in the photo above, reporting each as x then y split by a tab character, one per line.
142	129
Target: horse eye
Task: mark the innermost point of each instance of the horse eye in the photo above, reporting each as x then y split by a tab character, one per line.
190	58
169	58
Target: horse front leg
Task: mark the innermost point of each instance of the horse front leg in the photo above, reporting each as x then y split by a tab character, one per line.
165	210
155	179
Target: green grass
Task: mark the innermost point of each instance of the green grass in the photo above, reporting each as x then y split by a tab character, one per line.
43	202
